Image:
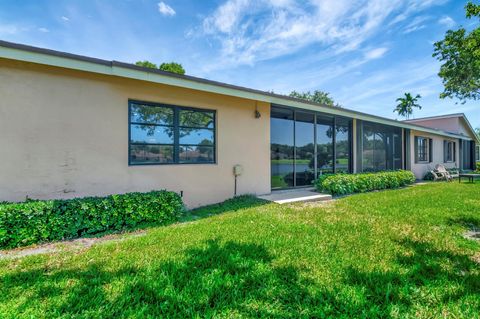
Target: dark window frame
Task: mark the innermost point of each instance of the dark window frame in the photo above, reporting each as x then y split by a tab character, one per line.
427	153
176	133
317	114
449	149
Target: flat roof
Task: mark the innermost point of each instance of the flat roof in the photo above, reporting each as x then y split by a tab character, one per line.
26	53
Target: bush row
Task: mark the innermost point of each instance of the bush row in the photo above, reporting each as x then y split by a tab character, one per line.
36	221
341	184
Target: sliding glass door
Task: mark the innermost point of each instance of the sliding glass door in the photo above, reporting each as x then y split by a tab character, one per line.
307	144
282	148
304	148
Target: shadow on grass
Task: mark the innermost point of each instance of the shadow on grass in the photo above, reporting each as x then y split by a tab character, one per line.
230	279
447	276
230	205
218	279
469	222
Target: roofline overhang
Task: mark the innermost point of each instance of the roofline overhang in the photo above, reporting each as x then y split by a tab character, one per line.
25	53
448	116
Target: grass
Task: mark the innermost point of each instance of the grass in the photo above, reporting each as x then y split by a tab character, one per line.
388	254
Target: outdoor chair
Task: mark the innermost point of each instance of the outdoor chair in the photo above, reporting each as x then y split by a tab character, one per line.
442	170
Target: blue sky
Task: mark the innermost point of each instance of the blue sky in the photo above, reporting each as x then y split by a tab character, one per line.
366	53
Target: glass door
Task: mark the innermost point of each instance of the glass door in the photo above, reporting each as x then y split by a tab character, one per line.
282	148
304	149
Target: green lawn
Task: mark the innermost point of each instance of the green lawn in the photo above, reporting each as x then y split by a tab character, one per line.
389	254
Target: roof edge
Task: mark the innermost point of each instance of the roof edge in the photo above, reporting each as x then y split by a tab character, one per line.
26	53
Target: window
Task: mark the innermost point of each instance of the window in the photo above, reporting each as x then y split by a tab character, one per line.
166	134
422	149
305	145
381	147
449	151
477	153
342	145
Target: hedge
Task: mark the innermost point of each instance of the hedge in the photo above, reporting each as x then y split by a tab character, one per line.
341	184
37	221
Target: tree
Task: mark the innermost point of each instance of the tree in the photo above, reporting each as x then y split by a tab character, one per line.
459	52
406	104
172	67
477	130
317	97
146	64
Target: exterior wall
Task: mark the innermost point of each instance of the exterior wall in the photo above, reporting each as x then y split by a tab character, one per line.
463	128
420	169
451	124
64	134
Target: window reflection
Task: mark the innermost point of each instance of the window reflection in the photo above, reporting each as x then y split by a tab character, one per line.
305	149
382	147
282	148
301	139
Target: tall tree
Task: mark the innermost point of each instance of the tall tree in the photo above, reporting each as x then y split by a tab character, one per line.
316	96
406	104
459	52
172	67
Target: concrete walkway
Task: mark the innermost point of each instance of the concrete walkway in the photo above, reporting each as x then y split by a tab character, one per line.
295	196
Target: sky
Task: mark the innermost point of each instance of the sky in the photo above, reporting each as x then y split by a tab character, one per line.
365	53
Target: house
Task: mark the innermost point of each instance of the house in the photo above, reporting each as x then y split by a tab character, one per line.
454	123
75	126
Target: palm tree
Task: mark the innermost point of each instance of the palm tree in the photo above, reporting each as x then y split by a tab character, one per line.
406	104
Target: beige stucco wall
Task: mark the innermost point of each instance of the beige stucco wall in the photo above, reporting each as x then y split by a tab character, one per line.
420	169
64	134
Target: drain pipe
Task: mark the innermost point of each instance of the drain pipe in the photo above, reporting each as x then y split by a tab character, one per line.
237	171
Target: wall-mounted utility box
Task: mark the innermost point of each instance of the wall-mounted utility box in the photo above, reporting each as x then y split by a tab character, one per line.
237	170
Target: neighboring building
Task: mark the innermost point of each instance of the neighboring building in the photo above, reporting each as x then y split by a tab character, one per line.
77	126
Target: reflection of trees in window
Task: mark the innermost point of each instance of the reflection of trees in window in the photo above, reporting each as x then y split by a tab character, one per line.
158	129
379	151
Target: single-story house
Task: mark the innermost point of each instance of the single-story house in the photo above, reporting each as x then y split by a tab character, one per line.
74	126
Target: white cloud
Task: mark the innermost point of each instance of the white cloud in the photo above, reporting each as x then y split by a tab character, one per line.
418	23
447	21
64	18
375	53
254	30
44	30
8	29
165	9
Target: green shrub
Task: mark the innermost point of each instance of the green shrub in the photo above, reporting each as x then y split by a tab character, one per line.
478	167
36	221
428	176
341	184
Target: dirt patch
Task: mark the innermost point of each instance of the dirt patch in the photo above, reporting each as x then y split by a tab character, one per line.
472	234
71	245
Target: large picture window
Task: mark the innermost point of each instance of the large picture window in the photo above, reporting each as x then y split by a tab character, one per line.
166	134
307	144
